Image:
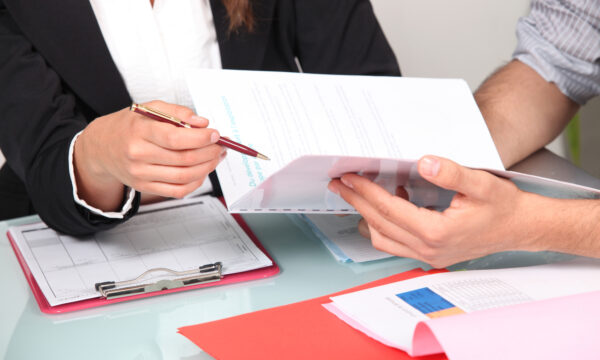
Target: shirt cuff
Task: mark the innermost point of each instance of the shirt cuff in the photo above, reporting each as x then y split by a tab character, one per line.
111	214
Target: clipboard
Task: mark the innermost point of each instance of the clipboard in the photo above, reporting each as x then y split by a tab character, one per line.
46	308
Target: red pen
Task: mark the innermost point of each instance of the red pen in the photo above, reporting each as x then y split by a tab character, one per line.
162	117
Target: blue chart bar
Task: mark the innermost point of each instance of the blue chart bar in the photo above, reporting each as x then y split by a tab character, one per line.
429	303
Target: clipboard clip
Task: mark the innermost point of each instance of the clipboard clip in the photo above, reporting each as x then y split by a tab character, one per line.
204	274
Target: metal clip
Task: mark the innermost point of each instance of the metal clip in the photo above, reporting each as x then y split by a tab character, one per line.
204	274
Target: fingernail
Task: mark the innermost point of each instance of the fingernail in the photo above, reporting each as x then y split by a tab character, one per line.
346	182
214	137
363	229
430	166
223	155
202	121
333	188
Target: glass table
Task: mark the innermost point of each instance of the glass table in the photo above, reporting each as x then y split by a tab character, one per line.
147	328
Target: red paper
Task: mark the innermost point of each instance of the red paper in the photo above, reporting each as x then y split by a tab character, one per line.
304	330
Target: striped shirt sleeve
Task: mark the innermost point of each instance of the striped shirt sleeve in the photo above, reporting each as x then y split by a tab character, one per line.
560	39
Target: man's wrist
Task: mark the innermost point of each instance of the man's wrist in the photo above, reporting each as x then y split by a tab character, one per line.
535	215
563	225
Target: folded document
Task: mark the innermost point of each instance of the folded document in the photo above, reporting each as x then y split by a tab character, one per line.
547	312
318	127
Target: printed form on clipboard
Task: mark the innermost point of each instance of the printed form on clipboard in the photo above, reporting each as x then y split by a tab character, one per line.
166	247
318	127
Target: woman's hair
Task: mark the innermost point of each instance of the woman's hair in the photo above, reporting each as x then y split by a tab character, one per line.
240	14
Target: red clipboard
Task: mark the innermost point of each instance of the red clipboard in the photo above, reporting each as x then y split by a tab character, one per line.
91	303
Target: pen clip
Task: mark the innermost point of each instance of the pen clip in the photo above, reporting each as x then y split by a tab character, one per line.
158	115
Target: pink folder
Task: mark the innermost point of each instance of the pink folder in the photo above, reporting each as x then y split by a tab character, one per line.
90	303
553	329
559	328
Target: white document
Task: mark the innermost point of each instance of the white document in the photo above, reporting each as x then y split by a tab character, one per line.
390	313
341	237
179	234
320	126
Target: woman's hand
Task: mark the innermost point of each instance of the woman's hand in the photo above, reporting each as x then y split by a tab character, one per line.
125	148
487	215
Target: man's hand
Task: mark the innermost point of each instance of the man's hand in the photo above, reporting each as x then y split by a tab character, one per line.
487	215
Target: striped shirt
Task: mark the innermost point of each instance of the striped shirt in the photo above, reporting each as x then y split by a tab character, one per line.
560	39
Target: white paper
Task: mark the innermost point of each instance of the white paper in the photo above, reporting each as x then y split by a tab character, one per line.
391	312
287	116
341	237
179	235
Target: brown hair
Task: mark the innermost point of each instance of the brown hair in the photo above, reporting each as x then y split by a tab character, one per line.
240	14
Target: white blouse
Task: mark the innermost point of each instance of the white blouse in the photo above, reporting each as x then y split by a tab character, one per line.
153	47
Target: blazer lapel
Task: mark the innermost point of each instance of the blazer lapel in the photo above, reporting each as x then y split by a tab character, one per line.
67	34
243	50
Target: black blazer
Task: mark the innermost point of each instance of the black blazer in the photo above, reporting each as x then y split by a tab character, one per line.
57	75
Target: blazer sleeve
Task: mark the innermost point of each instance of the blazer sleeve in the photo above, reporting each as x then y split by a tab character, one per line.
38	120
342	37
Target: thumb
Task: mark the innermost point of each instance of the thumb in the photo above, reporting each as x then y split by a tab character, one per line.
452	176
363	229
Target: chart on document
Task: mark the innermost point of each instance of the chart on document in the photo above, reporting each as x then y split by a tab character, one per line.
180	235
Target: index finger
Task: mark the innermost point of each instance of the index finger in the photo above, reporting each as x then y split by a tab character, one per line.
172	137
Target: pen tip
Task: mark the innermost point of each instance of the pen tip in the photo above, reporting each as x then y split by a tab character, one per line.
261	156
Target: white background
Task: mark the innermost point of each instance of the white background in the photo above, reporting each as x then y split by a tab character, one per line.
469	39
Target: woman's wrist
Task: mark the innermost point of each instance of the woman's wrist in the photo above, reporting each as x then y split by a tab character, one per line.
94	185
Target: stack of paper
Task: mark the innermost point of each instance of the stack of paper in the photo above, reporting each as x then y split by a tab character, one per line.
546	312
341	237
